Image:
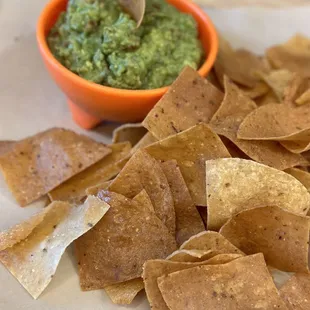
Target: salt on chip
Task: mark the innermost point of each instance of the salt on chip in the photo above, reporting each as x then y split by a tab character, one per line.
132	133
188	220
191	148
302	176
295	292
38	164
34	260
6	146
154	269
281	236
104	170
190	100
234	185
116	248
144	172
244	283
226	121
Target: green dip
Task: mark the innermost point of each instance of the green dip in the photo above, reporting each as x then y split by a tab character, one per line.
98	41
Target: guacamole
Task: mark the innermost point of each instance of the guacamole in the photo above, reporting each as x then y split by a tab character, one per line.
101	43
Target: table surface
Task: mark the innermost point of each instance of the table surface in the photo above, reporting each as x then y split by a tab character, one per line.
30	102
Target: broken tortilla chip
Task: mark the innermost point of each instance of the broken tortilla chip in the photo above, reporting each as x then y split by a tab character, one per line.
34	260
302	176
144	172
295	292
244	283
226	121
103	170
125	292
281	236
38	164
188	220
6	146
190	100
116	248
191	148
153	269
134	8
293	55
234	185
132	133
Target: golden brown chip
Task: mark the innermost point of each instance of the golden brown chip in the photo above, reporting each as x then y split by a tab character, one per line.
293	55
103	170
6	146
144	199
234	185
268	98
132	133
38	164
188	220
147	139
304	98
295	292
97	188
191	256
125	292
297	147
34	260
301	175
260	89
296	88
144	172
135	9
226	121
154	269
191	148
281	236
244	283
190	100
116	248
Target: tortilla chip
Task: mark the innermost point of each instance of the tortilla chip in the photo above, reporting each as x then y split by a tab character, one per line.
302	176
211	77
210	240
297	147
188	220
226	121
296	88
293	55
132	133
268	98
103	170
277	80
38	164
191	256
260	89
147	139
304	98
244	283
281	236
144	172
116	249
191	148
232	148
125	292
135	9
234	185
94	190
240	66
190	100
278	122
203	211
154	269
6	146
295	292
34	260
144	199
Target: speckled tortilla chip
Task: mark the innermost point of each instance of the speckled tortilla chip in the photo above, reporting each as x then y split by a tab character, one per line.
132	133
34	260
125	292
226	121
103	170
144	172
38	164
281	236
191	149
293	55
190	100
278	122
188	220
301	175
116	248
97	188
234	185
153	269
244	283
210	240
295	292
6	146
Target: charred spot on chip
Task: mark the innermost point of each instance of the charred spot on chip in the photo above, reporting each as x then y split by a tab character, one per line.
90	224
45	250
80	165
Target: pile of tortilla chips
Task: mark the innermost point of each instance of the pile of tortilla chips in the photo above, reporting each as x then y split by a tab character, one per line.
200	205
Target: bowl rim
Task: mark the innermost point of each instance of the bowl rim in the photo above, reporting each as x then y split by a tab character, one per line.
42	42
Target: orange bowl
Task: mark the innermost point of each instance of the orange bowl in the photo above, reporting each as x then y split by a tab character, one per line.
91	103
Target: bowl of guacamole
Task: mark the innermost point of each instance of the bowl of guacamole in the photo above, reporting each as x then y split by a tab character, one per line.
94	47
